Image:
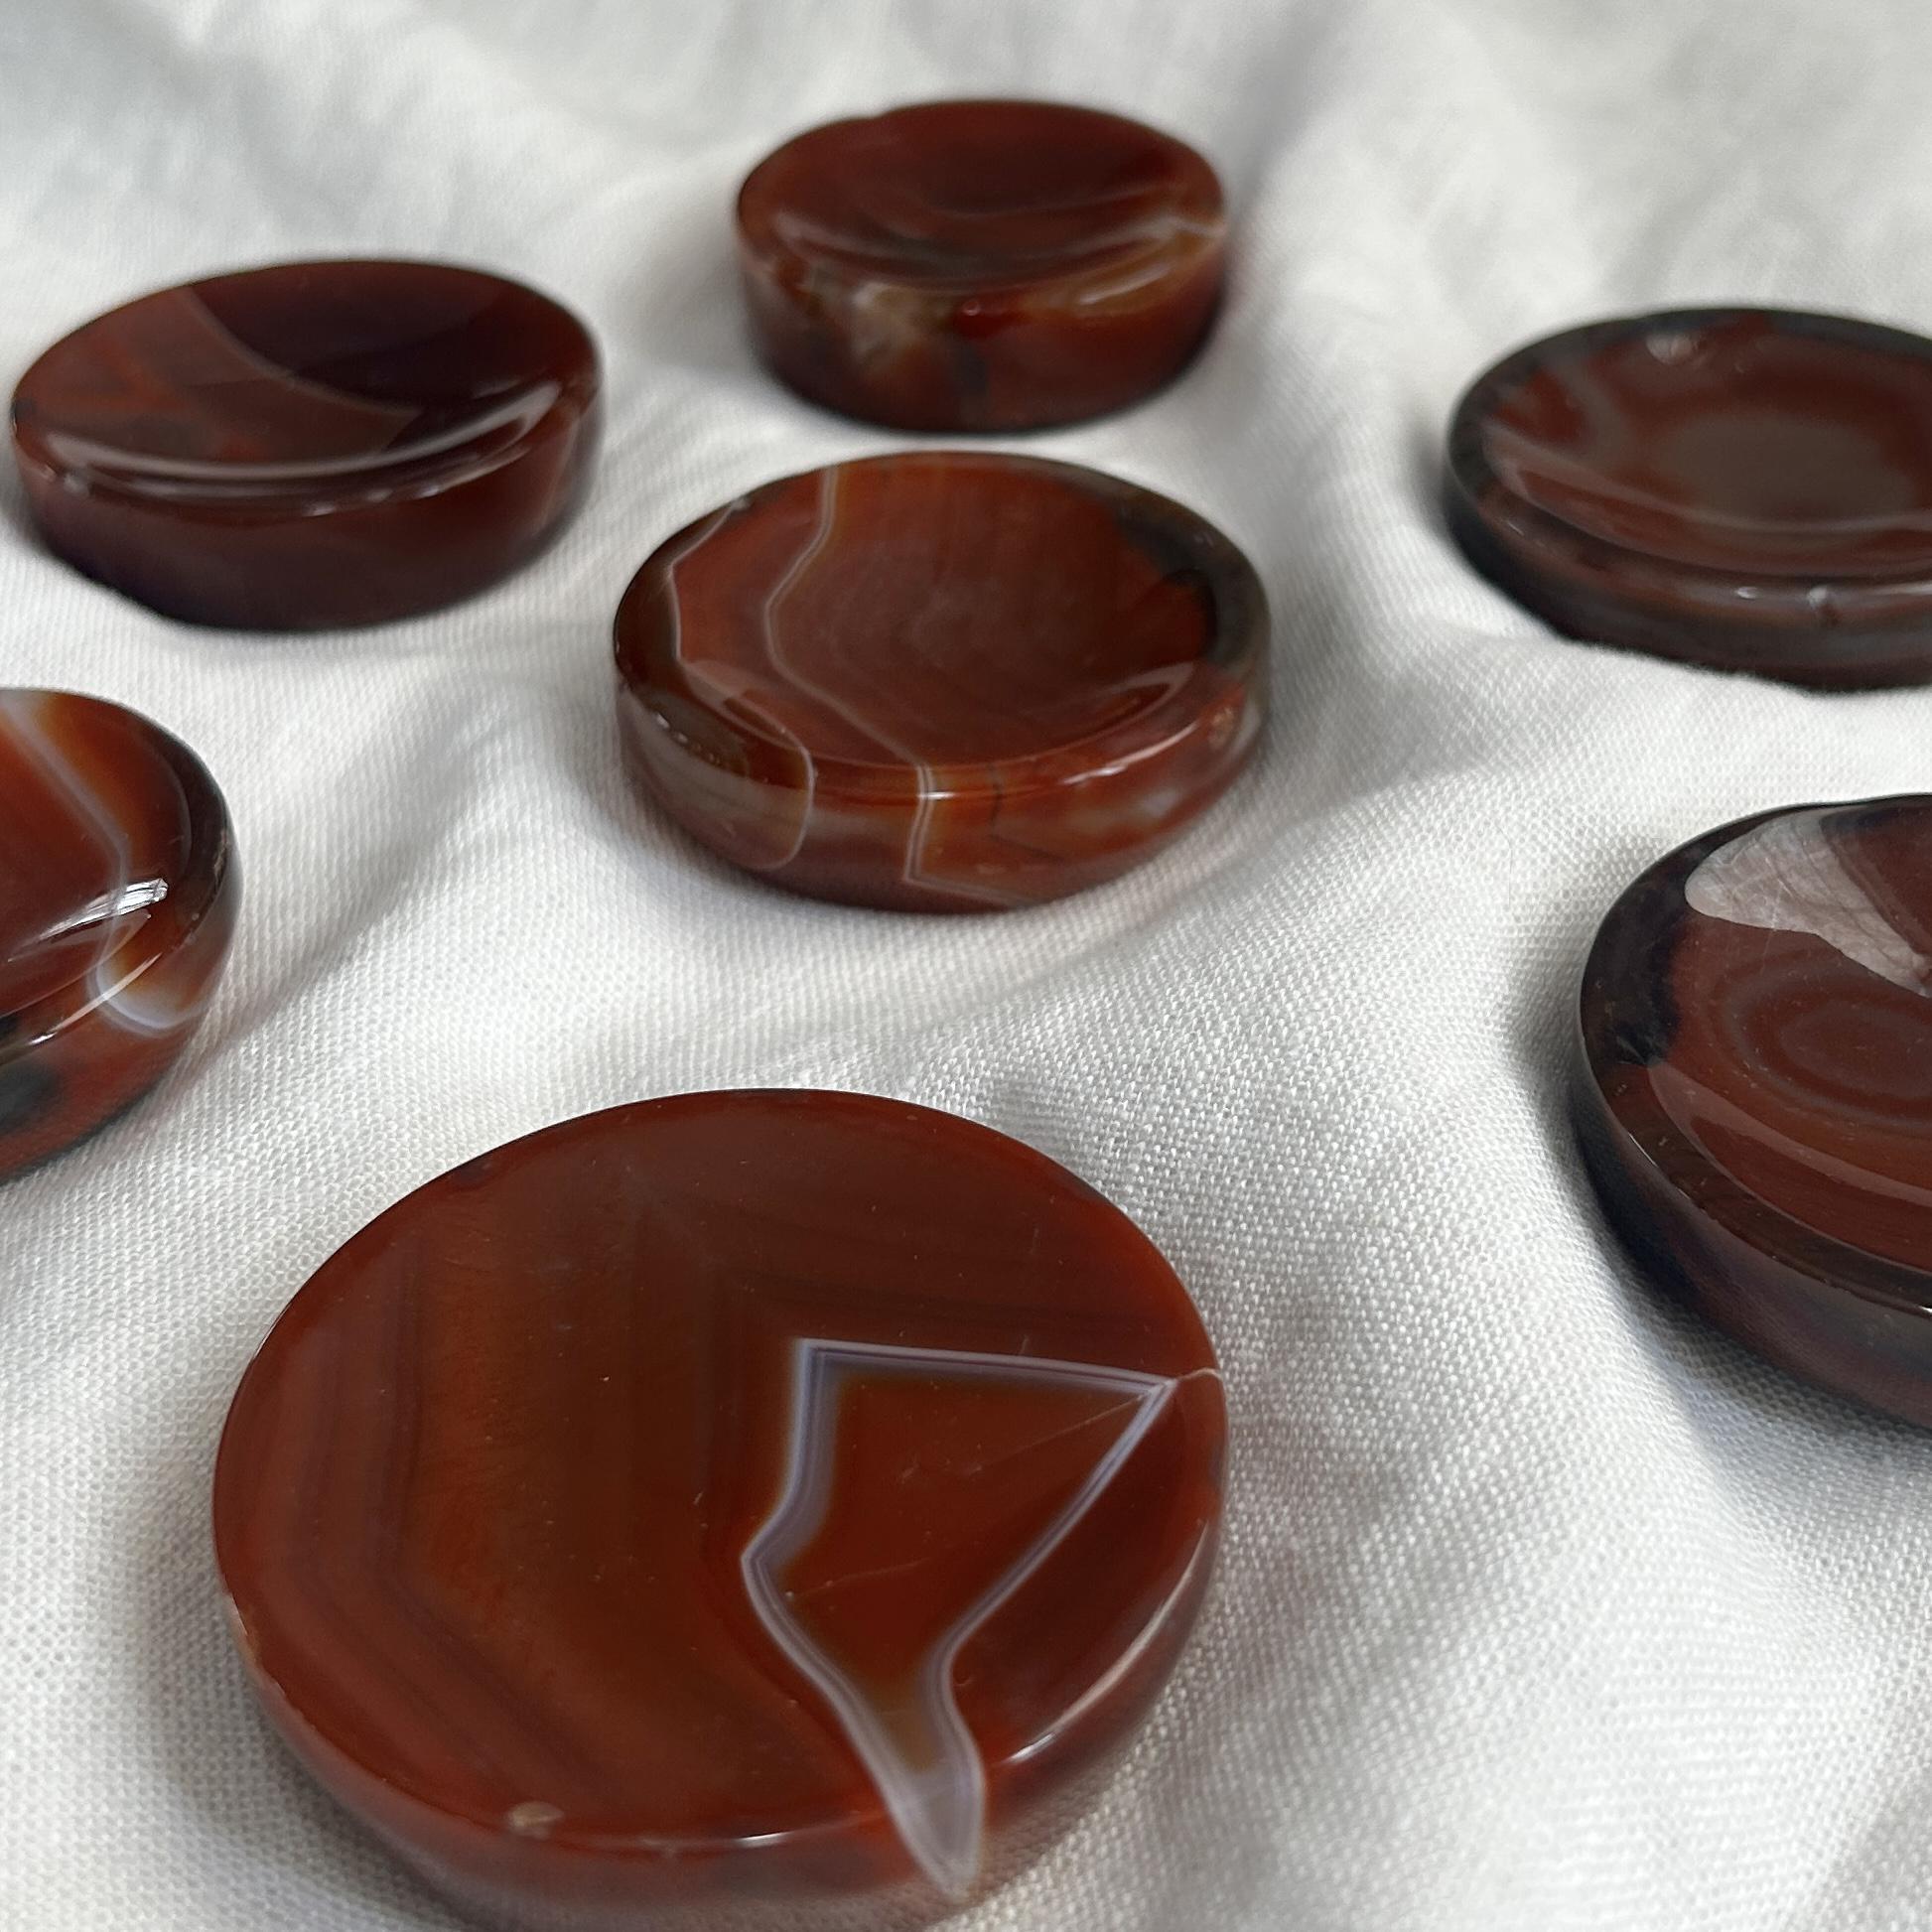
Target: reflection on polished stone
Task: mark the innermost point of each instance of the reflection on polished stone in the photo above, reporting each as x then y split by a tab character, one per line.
119	894
1748	489
941	681
981	264
1754	1088
311	445
740	1510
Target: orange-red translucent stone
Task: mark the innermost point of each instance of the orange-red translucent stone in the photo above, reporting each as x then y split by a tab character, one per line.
981	264
313	443
744	1510
119	894
941	681
1745	488
1754	1087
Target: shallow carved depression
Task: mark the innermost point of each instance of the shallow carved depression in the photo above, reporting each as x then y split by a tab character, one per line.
981	264
119	894
312	444
1756	1090
941	681
740	1510
1745	488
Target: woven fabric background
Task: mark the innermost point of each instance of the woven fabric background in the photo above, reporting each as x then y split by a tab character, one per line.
1541	1608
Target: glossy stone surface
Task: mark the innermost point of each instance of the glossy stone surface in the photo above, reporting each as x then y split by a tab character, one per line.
1754	1087
1749	489
311	445
941	681
119	894
981	264
739	1510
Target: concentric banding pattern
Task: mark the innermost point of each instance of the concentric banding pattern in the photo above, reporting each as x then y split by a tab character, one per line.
1746	488
1756	1092
742	1503
119	894
941	681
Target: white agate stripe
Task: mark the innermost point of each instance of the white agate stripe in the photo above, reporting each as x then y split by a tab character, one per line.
730	687
21	719
144	1003
936	1800
828	502
929	790
119	999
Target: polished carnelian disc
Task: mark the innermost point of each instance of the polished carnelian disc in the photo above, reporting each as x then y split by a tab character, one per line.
1745	488
744	1510
119	894
311	445
1754	1093
981	264
941	681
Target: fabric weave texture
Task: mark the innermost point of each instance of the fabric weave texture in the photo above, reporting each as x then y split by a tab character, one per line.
1541	1608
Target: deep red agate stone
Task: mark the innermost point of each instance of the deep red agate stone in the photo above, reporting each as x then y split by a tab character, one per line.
981	264
744	1510
1745	488
1754	1087
311	445
941	681
119	894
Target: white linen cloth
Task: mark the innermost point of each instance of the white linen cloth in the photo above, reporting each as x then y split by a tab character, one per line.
1541	1606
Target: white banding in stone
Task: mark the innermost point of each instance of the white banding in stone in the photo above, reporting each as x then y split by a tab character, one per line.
112	991
730	687
936	1803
